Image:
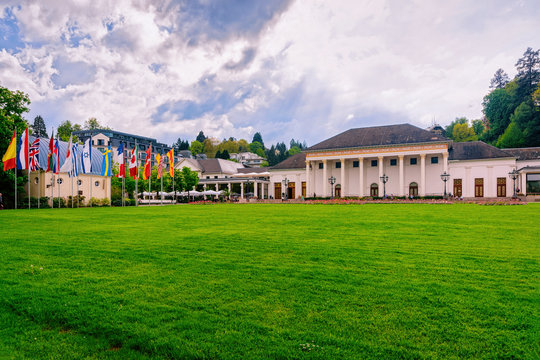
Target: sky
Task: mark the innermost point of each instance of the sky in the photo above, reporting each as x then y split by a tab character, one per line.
306	69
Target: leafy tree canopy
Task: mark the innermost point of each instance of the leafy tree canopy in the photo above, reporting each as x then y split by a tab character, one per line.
500	79
258	138
462	132
66	128
200	138
93	123
196	147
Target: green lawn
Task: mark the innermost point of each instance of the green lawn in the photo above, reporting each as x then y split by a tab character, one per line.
278	281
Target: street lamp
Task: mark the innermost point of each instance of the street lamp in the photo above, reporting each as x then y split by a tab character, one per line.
285	187
332	181
445	176
514	175
384	180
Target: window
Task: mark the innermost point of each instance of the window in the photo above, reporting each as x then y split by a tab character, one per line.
457	188
208	177
393	162
36	180
479	187
215	177
434	160
501	187
100	142
532	184
413	161
60	180
374	163
79	182
338	164
356	164
321	166
96	183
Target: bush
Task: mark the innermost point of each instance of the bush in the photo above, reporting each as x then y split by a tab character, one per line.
104	202
78	199
59	201
44	202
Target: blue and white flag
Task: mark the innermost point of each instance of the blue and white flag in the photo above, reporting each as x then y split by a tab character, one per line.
86	163
75	170
67	167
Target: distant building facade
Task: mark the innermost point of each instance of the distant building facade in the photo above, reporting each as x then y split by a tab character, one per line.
248	159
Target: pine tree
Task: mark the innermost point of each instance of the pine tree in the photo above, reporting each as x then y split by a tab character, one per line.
39	129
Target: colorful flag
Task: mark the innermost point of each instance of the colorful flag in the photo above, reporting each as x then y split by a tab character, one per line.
9	159
56	155
87	156
159	167
106	164
50	159
22	158
67	167
122	168
170	155
147	172
34	155
133	163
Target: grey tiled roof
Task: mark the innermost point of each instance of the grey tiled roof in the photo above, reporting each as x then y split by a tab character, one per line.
297	161
474	150
532	153
379	136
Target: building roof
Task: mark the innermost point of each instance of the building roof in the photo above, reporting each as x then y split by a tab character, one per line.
112	133
297	161
219	166
252	170
531	153
379	136
474	150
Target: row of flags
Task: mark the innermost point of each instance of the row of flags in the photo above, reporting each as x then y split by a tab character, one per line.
27	158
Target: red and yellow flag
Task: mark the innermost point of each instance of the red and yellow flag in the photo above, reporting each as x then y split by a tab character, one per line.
10	157
147	172
170	155
160	166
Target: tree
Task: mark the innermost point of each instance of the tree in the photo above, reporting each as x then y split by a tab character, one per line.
500	79
511	138
243	145
92	124
180	145
196	147
528	68
294	150
200	138
66	128
258	138
13	104
478	127
449	130
39	129
225	155
527	118
498	106
462	132
255	146
191	178
218	155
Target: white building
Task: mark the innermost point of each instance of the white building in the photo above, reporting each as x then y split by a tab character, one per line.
413	159
248	159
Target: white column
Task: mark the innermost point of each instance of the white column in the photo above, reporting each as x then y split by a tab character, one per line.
241	190
325	180
361	171
255	189
343	188
308	179
381	172
422	191
401	176
445	162
217	187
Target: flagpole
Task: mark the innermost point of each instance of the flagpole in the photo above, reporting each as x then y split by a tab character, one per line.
124	175
137	175
162	188
16	168
39	188
150	177
58	169
29	173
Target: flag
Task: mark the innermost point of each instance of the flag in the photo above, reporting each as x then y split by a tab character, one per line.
67	167
50	158
170	155
33	155
106	164
56	156
160	166
75	160
86	156
122	168
133	163
22	158
147	172
9	159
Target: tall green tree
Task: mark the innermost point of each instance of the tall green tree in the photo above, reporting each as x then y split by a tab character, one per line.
500	79
39	129
449	130
528	68
257	137
498	106
511	138
196	147
66	128
93	123
200	138
478	127
191	178
462	132
13	104
527	118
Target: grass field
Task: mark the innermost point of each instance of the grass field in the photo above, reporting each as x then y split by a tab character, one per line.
271	282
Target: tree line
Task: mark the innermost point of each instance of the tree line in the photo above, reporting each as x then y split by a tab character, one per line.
511	109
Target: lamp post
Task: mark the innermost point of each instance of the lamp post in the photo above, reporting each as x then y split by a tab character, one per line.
445	176
285	187
514	175
384	180
332	181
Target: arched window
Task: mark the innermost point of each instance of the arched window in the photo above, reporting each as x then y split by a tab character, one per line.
337	190
374	190
413	189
